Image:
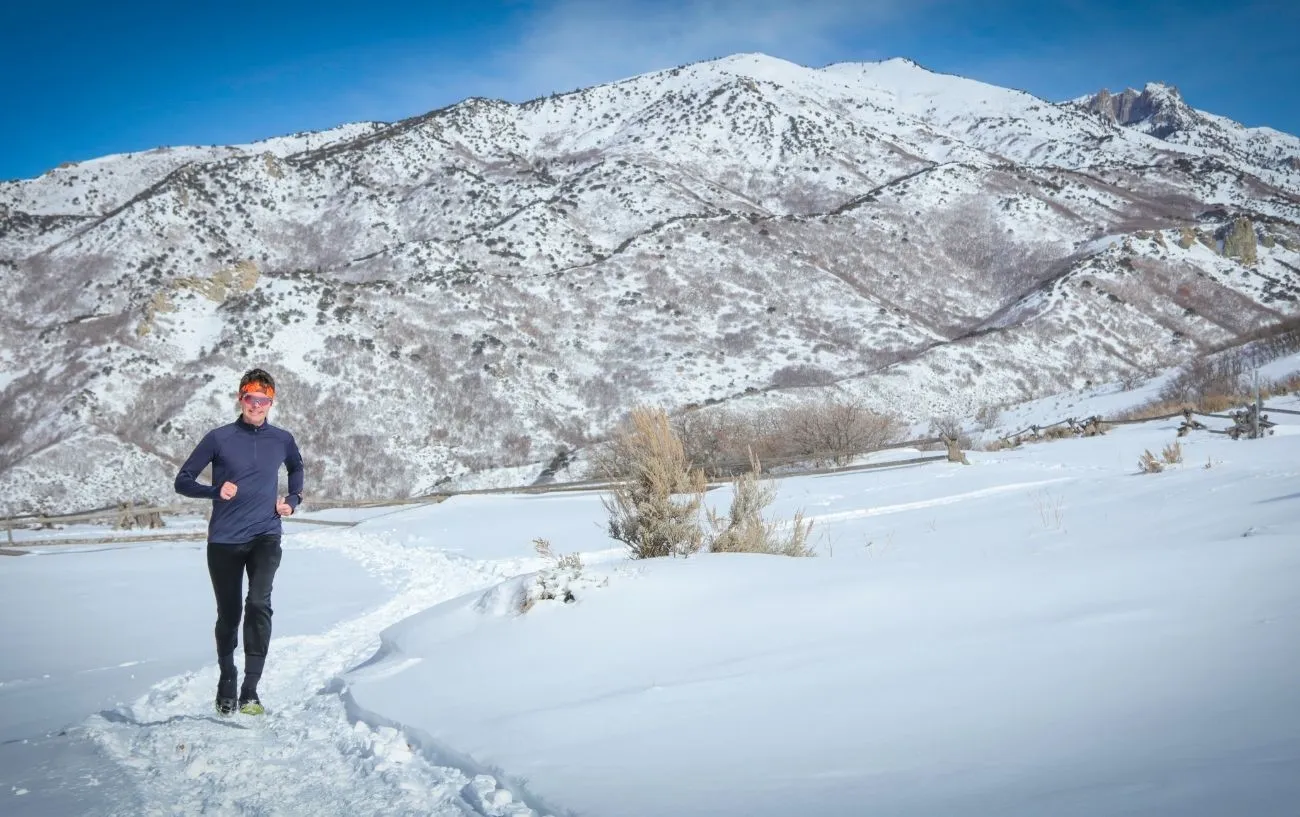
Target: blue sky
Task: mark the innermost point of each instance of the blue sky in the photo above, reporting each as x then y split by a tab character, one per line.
86	79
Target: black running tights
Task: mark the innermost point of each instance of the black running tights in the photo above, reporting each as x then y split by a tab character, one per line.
259	557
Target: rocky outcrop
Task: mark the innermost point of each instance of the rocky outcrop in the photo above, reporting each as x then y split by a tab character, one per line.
242	277
1158	109
1239	241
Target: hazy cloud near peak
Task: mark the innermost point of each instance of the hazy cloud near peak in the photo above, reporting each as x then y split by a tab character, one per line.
575	43
571	44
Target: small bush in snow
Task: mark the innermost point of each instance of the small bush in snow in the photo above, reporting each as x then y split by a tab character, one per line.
744	530
569	561
556	582
655	509
1172	454
1147	463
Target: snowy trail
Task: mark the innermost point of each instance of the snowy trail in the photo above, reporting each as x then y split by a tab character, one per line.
306	756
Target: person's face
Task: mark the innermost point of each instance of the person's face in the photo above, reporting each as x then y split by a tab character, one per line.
254	404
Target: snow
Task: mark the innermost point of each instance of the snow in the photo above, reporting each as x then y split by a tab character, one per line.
1044	630
681	237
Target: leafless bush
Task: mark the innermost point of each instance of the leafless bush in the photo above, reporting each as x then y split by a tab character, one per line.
1285	385
644	510
1200	380
745	531
1268	343
719	441
949	427
837	429
1131	379
801	374
987	416
832	430
515	448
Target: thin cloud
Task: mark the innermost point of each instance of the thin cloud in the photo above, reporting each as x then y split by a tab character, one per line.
574	44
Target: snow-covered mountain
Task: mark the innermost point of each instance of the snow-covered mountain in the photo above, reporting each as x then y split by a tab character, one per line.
477	286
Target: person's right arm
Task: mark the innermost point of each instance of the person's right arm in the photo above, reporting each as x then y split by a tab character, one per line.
187	479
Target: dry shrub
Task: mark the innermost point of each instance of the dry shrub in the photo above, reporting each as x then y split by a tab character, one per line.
1002	444
569	561
717	440
837	429
645	512
1147	463
1058	432
987	416
1155	408
1209	383
1285	385
555	582
1219	403
744	530
832	430
1173	453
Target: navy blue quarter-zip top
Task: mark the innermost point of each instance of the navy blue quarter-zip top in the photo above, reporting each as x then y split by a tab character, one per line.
249	456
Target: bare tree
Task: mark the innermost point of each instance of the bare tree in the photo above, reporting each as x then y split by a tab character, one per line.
837	429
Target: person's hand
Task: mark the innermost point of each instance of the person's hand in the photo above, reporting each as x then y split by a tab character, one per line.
228	490
283	508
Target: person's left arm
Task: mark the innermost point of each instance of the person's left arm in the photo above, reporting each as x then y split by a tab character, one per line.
293	463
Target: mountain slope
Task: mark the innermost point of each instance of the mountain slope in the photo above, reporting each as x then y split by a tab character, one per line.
481	285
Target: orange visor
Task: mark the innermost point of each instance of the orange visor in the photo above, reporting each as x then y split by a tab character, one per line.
269	391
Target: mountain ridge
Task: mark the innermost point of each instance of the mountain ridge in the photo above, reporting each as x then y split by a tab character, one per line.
508	278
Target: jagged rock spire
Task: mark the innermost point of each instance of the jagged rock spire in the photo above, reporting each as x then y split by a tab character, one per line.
1157	109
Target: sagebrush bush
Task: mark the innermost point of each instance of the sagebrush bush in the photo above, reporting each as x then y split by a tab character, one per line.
1147	463
744	530
654	508
1172	454
556	582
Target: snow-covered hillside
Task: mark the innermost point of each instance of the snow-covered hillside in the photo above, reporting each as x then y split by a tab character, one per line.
486	284
1045	630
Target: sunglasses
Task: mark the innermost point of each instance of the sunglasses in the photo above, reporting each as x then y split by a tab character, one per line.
255	401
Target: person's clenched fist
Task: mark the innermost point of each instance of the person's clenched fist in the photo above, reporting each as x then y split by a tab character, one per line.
228	490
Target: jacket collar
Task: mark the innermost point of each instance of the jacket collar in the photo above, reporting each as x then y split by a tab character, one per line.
247	426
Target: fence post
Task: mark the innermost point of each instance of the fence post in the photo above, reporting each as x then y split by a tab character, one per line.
955	454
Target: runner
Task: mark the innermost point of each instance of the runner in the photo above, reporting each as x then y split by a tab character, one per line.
244	531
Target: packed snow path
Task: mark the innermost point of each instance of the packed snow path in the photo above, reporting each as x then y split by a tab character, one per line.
306	755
